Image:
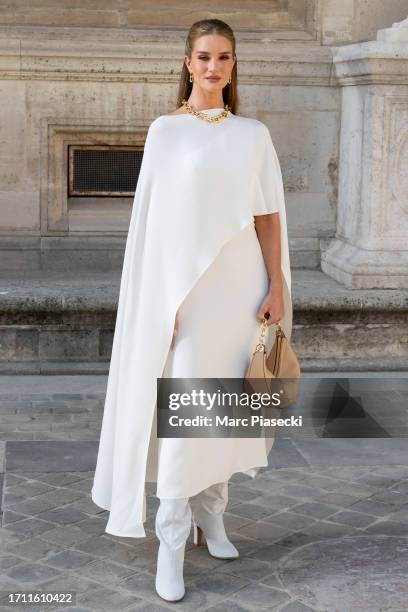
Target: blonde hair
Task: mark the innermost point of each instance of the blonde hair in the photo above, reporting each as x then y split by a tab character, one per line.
202	28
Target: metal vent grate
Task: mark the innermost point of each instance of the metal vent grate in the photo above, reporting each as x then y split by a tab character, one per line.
103	170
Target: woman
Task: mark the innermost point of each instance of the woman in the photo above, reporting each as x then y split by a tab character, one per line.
206	258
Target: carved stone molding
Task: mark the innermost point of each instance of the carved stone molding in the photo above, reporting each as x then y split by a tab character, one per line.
285	18
389	184
400	178
153	57
370	248
57	134
398	33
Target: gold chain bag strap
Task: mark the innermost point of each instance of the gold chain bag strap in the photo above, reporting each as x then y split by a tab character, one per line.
281	362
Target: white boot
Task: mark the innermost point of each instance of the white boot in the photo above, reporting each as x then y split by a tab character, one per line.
173	525
208	508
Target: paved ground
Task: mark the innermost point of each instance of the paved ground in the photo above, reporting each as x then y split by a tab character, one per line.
325	527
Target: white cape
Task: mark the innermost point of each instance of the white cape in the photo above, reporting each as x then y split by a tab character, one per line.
184	211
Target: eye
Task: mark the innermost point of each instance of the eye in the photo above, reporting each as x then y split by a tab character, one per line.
204	57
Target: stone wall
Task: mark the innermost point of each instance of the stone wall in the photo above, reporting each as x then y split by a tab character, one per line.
328	21
349	21
257	15
62	87
104	80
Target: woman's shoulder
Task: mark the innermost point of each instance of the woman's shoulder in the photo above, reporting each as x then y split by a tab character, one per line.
252	122
162	118
256	124
259	129
253	127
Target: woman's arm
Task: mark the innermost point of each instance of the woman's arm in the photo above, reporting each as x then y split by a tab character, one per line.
268	231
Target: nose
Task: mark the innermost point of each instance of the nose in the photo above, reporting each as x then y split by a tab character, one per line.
213	66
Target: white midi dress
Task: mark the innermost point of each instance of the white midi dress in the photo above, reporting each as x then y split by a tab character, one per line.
192	248
218	329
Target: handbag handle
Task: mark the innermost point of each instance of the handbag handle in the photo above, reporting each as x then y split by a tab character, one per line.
261	344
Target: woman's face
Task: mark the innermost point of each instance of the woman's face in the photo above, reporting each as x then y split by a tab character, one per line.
211	57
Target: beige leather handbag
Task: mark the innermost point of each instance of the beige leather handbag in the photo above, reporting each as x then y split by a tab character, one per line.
281	363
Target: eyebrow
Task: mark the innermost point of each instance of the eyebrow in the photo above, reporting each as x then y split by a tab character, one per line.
207	53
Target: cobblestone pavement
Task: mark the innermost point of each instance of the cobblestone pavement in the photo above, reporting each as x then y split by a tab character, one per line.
324	528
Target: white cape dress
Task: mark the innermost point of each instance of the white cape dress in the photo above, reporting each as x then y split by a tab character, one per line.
191	247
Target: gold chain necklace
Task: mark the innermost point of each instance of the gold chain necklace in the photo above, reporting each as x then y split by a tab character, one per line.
200	115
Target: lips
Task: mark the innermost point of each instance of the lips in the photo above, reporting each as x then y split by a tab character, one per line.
213	78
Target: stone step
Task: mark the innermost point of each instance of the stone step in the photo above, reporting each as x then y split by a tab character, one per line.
70	407
63	322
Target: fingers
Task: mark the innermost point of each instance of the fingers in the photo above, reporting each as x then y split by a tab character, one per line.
264	312
269	320
267	316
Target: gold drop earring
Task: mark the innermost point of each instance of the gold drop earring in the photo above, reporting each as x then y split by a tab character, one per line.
191	77
229	80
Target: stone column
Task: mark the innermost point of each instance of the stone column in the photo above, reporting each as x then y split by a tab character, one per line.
370	248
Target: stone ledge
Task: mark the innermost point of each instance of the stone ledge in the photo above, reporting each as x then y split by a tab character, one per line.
370	62
63	323
104	253
101	368
103	54
145	34
97	292
54	368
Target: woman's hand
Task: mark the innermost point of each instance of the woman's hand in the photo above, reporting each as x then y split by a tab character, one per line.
273	303
175	332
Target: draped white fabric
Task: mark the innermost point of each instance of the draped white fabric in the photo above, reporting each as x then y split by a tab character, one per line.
200	184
